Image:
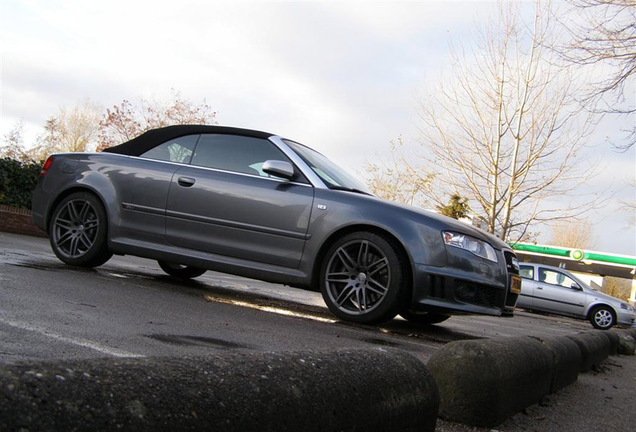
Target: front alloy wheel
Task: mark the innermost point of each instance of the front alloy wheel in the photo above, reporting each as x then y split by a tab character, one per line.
602	318
361	279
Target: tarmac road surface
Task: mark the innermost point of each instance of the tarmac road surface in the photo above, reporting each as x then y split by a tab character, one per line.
129	308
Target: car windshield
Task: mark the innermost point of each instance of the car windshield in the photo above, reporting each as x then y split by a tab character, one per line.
330	173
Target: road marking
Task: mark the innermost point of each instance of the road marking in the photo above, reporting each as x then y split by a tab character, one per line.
74	341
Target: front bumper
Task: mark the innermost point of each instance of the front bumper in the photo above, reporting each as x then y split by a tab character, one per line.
625	318
443	291
467	285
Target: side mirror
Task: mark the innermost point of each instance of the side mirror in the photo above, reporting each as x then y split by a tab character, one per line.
576	286
279	169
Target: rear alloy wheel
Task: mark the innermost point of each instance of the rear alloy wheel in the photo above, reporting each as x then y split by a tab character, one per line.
180	271
77	231
423	317
602	318
362	278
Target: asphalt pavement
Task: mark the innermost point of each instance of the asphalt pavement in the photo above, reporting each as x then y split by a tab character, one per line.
599	400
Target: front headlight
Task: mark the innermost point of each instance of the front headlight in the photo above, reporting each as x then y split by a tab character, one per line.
626	307
471	244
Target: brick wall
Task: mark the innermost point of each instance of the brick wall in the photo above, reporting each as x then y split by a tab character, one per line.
18	220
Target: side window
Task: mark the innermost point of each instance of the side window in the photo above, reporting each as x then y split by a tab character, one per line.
176	150
526	272
236	153
555	278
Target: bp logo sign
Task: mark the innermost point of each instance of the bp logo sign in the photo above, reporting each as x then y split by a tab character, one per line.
577	254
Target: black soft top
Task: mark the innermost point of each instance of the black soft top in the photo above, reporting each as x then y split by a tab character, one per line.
154	137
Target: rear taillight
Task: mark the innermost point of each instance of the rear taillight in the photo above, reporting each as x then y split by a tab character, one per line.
47	165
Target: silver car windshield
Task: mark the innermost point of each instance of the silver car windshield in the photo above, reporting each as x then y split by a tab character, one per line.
331	174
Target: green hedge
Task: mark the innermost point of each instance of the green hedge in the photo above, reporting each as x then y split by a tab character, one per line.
17	181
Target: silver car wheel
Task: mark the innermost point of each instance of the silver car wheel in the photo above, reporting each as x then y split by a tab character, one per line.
357	277
602	318
75	228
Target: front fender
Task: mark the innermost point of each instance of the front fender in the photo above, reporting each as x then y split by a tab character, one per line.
336	211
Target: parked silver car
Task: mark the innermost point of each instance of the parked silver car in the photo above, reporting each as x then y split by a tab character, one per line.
251	203
555	290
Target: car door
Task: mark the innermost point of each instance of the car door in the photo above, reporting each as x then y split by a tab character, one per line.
554	293
223	203
527	273
142	186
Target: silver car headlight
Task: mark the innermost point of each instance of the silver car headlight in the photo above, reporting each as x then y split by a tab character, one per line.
471	244
627	307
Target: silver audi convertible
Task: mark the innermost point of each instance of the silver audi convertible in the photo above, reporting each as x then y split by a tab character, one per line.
251	203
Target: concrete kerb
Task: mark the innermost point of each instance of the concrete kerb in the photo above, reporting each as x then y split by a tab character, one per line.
613	340
595	348
480	382
631	331
371	390
627	342
483	382
567	359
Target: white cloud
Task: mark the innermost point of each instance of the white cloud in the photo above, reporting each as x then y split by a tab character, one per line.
341	77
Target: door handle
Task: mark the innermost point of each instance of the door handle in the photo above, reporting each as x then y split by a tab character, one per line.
186	181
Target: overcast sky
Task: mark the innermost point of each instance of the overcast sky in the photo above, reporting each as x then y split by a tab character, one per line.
340	77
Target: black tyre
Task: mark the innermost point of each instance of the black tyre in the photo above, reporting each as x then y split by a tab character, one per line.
423	317
78	229
602	317
180	271
362	278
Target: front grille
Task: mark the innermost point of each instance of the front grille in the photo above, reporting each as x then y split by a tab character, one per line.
512	264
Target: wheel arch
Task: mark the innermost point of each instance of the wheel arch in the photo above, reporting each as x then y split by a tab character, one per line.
77	188
595	306
92	250
401	250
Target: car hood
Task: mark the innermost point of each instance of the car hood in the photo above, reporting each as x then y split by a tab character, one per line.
445	221
605	297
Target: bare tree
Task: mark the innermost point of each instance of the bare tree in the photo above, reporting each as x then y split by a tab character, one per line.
503	130
125	121
396	179
603	35
628	207
572	234
13	144
617	287
71	130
